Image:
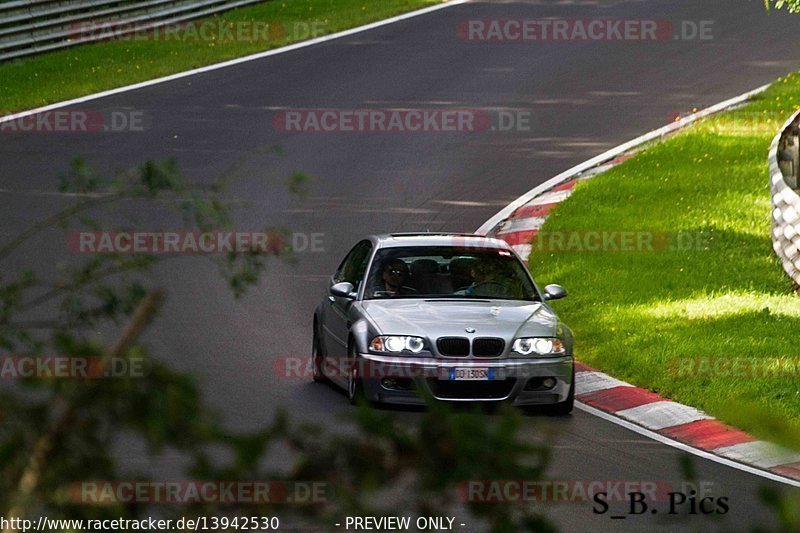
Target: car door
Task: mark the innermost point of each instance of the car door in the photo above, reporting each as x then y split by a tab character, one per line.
337	316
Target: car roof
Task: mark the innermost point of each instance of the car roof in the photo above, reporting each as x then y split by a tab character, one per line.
393	240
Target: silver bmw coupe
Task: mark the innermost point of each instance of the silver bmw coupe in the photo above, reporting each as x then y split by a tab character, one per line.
456	317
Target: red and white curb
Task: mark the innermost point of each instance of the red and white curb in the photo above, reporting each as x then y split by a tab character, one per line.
681	423
639	410
522	225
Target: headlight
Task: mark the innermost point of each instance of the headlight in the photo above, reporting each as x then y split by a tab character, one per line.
397	344
538	346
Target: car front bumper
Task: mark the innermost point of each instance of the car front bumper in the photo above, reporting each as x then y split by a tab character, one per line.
407	380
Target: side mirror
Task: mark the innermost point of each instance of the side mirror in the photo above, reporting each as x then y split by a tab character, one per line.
344	290
554	292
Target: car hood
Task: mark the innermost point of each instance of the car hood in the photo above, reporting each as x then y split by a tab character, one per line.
443	317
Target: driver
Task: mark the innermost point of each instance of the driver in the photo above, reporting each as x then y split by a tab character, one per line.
394	277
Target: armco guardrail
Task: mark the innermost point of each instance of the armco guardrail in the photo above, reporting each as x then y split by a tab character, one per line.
33	26
784	170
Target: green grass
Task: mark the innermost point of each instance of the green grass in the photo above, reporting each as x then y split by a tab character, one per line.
639	315
85	69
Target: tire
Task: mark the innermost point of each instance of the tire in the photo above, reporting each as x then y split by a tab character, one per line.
317	360
355	385
564	408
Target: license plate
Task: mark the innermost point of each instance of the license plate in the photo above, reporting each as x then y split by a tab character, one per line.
471	374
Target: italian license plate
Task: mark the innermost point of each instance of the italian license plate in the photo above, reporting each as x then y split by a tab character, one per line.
471	374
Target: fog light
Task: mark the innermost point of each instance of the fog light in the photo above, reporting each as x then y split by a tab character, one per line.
533	384
549	383
398	384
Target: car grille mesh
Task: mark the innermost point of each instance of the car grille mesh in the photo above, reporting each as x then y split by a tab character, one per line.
460	347
488	347
453	346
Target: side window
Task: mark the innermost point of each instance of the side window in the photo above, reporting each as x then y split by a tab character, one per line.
354	265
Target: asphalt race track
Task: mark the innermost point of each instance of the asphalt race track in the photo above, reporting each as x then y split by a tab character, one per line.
583	98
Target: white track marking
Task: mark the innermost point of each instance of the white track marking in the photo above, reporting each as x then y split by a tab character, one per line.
523	250
586	382
759	453
662	415
522	224
245	59
684	447
610	154
551	198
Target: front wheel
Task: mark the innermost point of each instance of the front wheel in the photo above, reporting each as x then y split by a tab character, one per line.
317	360
355	385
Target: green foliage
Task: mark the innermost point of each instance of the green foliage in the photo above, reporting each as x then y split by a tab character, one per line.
298	183
793	6
786	508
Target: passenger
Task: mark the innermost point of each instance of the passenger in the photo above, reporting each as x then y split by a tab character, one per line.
488	280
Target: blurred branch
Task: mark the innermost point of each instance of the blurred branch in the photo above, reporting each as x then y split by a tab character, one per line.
29	481
61	216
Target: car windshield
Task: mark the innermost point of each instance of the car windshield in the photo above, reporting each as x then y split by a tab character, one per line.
448	272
